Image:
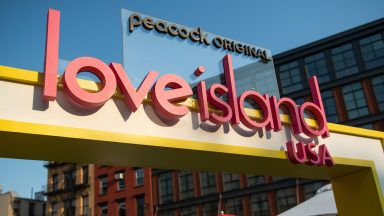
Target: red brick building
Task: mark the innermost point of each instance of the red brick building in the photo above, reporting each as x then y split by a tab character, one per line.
141	192
122	191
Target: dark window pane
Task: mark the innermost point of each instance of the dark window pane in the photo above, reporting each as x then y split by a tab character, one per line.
188	211
55	182
208	183
121	208
309	190
286	199
167	213
315	65
69	207
103	185
166	190
355	101
85	174
55	209
367	126
103	209
253	180
231	181
290	77
372	49
86	210
210	209
69	178
234	206
139	174
120	180
344	61
186	184
140	206
378	87
330	106
259	204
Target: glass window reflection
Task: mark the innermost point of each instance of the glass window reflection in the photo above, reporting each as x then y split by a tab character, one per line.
372	49
344	61
315	65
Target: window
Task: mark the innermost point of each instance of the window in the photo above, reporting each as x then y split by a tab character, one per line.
208	183
103	184
86	211
55	209
278	178
140	206
231	181
253	180
69	178
309	190
166	190
259	204
286	198
167	213
121	208
85	174
210	209
290	77
251	76
372	49
69	207
103	209
330	106
139	173
354	100
73	177
31	209
188	211
378	87
234	206
344	61
119	176
299	100
367	126
186	184
55	182
315	65
16	211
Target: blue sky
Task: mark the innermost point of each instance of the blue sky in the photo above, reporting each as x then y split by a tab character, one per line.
93	28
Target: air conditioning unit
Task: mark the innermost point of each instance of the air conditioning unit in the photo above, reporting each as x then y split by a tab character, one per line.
119	176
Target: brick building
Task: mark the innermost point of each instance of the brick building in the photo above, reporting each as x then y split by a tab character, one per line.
70	189
123	191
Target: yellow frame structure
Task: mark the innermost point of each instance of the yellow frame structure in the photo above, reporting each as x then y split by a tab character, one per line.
355	182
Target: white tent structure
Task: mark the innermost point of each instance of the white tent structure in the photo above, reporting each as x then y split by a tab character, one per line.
323	203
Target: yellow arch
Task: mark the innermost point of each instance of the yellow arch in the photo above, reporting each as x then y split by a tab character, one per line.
355	182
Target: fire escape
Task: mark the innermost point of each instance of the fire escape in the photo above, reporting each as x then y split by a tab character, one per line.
66	189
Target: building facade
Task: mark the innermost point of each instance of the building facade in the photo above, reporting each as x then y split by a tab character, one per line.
350	70
11	205
122	191
70	189
208	193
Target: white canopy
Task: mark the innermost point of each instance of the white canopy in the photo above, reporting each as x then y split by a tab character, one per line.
323	203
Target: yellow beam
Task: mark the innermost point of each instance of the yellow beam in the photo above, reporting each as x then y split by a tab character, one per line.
38	141
354	181
357	193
